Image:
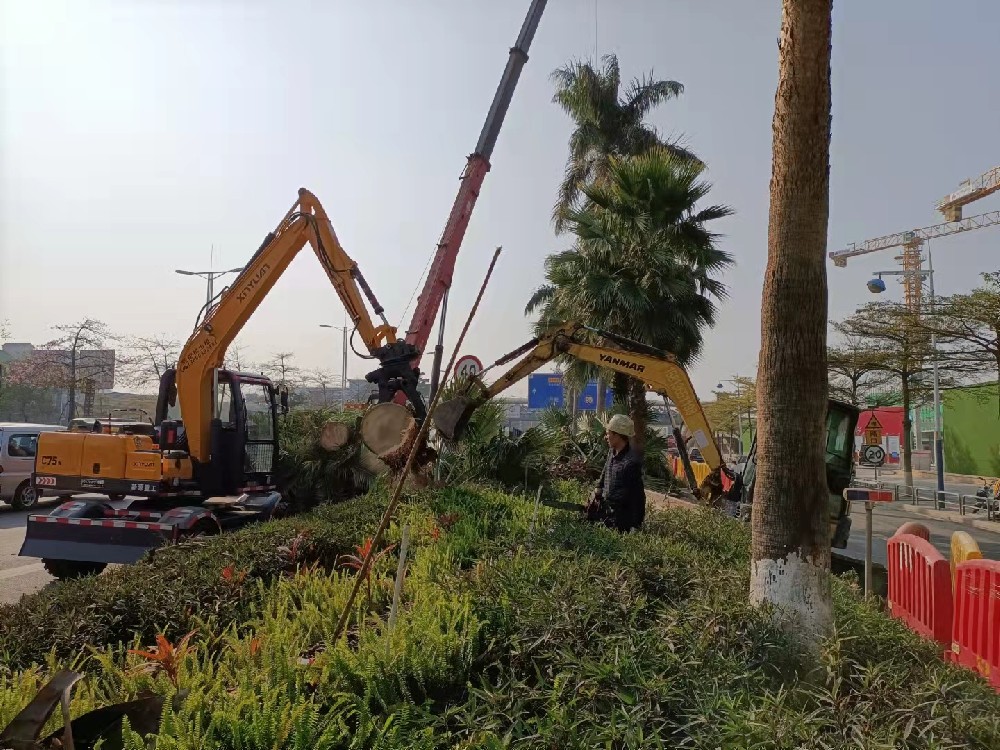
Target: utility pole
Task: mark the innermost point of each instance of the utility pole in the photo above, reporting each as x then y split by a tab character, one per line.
343	364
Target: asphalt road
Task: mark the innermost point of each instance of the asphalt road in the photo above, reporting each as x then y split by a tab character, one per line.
23	575
887	517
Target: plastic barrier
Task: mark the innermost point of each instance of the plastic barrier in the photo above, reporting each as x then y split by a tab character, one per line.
699	468
976	625
920	587
916	528
963	547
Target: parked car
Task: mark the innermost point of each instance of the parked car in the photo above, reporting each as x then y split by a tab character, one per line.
18	443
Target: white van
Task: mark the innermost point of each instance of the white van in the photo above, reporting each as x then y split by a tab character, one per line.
18	444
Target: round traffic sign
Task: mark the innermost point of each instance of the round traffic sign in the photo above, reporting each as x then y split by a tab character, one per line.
468	366
873	455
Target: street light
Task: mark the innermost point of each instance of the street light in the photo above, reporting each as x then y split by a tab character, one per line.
343	367
210	276
938	429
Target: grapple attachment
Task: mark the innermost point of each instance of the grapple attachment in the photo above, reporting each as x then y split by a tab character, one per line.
451	417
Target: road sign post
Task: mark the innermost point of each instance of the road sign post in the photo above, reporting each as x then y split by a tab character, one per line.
468	367
870	497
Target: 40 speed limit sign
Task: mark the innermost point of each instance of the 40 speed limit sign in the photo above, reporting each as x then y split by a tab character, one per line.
468	367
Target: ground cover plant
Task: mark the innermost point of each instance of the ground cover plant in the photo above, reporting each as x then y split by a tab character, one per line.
520	627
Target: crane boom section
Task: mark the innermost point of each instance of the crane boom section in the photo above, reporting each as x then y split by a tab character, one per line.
205	350
443	266
900	239
969	192
660	373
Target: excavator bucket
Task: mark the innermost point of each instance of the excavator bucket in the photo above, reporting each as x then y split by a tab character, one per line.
452	416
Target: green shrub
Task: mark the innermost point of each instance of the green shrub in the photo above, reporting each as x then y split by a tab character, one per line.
171	590
541	632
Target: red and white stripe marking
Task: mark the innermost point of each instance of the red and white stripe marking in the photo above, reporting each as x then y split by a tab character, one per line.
140	515
143	526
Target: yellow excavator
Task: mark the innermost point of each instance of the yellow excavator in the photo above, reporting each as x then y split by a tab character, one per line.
209	465
662	374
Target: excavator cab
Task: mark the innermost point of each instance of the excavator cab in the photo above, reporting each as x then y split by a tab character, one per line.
244	432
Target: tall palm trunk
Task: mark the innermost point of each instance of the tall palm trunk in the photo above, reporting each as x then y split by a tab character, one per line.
791	547
638	412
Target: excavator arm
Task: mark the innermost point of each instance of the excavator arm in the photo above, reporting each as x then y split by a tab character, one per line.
224	317
658	371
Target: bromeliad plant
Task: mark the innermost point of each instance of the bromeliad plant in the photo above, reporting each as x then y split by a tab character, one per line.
357	561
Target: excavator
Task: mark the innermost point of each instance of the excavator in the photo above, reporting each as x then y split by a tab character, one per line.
209	464
661	374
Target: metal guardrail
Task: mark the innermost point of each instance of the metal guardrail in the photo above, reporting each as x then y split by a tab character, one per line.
951	501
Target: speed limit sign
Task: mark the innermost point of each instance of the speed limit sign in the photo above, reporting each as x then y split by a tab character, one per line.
468	367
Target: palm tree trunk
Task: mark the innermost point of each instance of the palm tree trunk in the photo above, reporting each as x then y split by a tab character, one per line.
790	559
638	412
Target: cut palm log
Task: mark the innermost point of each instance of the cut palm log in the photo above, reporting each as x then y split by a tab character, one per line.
385	426
335	435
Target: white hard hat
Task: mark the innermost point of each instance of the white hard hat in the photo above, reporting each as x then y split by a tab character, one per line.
621	424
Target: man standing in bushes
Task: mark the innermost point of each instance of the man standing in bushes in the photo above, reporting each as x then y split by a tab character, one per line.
619	500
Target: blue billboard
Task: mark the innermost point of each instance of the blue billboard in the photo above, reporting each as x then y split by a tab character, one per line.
587	400
546	391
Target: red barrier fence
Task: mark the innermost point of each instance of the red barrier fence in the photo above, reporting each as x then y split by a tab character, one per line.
976	624
920	587
916	528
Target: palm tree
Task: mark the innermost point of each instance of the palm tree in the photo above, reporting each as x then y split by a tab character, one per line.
608	123
643	266
790	556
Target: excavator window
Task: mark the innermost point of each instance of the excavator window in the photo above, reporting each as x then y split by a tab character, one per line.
257	397
224	405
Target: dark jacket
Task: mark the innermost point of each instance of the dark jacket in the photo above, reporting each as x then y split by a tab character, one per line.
623	496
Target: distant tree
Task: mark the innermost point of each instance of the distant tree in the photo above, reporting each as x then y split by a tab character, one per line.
237	360
733	409
321	379
146	359
854	367
71	361
905	353
968	326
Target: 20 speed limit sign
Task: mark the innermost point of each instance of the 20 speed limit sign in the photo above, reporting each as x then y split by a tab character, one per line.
468	367
873	455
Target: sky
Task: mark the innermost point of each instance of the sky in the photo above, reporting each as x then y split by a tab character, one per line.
136	136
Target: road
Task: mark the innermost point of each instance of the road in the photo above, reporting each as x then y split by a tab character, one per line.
887	517
24	575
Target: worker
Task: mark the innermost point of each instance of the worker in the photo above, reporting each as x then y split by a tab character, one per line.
619	500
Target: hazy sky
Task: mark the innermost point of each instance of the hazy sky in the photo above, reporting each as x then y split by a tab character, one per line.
135	135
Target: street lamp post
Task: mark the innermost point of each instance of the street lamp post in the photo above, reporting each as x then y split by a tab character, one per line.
343	365
210	277
878	288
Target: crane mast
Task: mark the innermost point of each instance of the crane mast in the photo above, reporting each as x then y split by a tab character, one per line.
443	265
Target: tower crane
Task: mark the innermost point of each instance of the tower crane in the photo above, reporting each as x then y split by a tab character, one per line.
968	192
912	240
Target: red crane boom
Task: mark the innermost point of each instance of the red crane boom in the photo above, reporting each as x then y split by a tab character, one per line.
443	266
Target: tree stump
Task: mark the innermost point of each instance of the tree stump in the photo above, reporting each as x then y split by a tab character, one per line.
335	435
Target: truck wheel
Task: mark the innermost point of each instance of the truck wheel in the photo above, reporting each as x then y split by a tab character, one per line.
66	570
25	496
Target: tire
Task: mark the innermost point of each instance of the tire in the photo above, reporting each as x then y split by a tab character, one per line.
25	496
66	570
116	497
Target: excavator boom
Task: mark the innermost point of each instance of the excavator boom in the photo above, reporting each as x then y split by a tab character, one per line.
660	372
204	352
